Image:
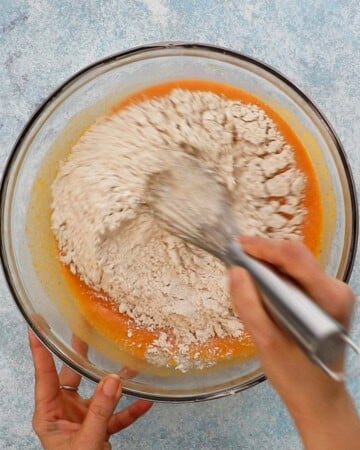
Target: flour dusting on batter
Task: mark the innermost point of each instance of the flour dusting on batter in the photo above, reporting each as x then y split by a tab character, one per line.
108	237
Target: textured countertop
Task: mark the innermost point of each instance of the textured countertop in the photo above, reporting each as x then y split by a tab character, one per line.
43	42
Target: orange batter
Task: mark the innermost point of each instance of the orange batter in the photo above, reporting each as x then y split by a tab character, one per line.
119	328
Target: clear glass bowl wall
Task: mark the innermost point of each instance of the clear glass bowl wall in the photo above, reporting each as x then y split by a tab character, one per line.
28	248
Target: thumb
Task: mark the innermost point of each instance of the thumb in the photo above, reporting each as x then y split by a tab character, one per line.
93	433
248	306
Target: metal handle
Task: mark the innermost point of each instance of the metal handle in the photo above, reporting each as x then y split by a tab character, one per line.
321	336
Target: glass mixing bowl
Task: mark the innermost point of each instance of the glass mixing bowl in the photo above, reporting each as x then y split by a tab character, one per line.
28	249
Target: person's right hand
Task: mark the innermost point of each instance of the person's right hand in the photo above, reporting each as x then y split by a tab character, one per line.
321	408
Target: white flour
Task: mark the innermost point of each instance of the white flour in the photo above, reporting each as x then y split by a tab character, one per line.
107	236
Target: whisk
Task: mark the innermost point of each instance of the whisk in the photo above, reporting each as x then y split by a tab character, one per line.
192	205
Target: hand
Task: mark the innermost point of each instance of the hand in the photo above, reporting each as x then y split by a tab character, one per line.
320	407
64	420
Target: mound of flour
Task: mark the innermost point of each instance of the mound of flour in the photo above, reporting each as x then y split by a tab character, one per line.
108	237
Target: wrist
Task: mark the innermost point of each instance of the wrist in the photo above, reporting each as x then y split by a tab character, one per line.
328	423
316	401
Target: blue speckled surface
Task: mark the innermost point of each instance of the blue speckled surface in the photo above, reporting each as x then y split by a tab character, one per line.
42	42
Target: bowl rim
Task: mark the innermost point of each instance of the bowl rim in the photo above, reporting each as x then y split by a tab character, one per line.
159	46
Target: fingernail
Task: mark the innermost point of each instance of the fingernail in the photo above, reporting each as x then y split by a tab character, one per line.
231	274
236	273
111	385
32	336
246	239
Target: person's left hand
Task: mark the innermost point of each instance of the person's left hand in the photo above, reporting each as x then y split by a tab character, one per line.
64	420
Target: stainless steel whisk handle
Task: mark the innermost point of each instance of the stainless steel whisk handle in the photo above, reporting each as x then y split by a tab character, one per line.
322	338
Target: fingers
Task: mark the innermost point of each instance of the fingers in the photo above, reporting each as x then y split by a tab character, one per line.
129	415
67	376
93	432
290	257
247	305
46	378
294	259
